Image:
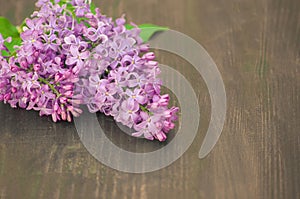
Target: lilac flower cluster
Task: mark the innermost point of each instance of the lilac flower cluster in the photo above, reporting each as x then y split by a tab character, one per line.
70	57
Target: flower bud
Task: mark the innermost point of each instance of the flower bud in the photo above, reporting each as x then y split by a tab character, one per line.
24	64
144	48
63	100
161	136
68	87
152	63
68	93
36	54
14	68
13	90
58	77
36	67
149	56
56	106
7	97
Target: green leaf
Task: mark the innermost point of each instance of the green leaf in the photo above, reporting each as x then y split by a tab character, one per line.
93	8
71	8
7	29
147	30
10	46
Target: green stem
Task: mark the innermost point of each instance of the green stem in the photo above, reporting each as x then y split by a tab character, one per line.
42	80
144	109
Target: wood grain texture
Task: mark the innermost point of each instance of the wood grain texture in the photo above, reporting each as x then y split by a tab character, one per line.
256	47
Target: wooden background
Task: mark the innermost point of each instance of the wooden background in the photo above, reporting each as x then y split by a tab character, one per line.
255	44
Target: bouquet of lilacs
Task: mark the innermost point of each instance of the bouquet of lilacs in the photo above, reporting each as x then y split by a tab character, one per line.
69	55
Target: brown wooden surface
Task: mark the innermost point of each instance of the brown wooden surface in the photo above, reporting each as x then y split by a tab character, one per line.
256	45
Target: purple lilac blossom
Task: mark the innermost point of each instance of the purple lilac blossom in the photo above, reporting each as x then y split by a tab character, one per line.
65	62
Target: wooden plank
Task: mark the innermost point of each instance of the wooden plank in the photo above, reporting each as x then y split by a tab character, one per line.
256	47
